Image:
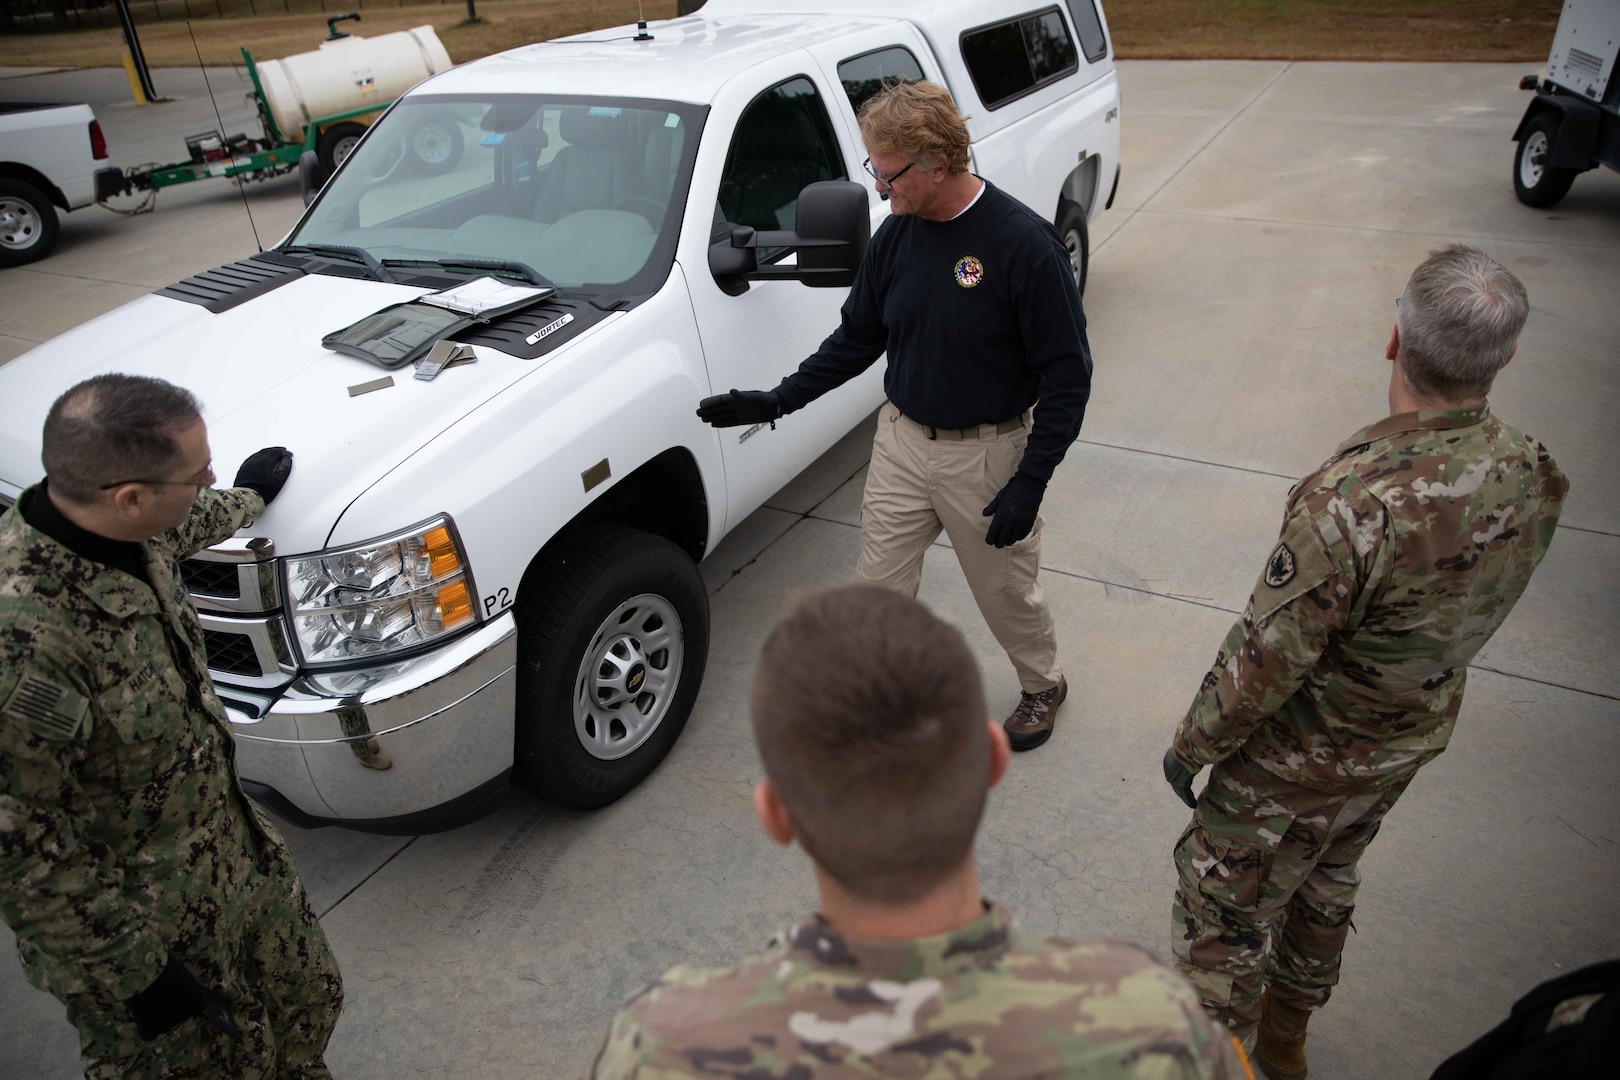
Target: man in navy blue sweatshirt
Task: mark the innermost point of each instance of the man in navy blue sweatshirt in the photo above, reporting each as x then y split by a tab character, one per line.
971	295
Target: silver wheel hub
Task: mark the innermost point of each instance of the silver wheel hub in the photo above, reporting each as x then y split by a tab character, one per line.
345	146
1071	240
628	677
20	226
1532	159
432	144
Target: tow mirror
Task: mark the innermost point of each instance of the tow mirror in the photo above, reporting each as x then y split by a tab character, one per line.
834	226
310	175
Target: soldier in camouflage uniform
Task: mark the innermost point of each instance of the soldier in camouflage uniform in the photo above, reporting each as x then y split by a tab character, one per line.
146	892
1398	559
878	754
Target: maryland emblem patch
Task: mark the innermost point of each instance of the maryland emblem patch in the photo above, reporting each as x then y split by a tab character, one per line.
969	271
1280	568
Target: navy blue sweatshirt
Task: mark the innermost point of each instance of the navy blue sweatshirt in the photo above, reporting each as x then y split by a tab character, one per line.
980	317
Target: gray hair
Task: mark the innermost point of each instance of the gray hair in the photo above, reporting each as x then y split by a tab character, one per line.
114	427
1459	321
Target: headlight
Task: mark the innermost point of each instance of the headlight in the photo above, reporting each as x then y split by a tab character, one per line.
380	597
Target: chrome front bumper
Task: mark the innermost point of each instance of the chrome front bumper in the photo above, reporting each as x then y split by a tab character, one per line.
394	741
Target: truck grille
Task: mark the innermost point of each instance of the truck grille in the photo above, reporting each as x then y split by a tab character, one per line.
233	653
217	579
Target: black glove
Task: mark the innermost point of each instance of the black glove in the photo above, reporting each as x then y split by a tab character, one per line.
266	471
1014	507
175	997
1180	778
740	407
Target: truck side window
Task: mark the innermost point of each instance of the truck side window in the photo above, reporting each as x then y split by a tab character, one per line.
1010	59
784	141
1089	27
864	75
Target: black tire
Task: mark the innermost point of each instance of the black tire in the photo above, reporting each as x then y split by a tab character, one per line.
335	144
436	144
563	614
28	224
1534	181
1071	226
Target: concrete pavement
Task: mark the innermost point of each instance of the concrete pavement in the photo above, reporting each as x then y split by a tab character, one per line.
1241	292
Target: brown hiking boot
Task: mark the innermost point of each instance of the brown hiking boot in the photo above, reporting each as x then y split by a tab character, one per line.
1031	723
1279	1043
372	756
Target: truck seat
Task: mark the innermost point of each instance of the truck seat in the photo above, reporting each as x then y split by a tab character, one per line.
594	171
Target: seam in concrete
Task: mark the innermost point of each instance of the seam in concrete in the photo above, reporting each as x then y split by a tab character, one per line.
1230	611
397	851
1196	154
1371	229
97	280
1192	460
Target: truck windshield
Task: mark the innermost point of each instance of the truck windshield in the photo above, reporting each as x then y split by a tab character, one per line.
585	191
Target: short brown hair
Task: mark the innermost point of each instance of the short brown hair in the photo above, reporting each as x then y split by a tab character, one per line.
1459	320
870	719
111	427
918	121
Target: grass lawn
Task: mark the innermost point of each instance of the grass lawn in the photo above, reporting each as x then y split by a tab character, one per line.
1494	30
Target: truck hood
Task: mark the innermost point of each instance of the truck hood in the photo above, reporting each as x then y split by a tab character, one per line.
264	379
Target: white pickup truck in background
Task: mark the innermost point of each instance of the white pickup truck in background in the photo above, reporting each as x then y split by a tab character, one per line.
492	575
48	161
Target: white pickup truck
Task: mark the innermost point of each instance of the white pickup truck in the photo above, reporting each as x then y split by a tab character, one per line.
492	575
48	156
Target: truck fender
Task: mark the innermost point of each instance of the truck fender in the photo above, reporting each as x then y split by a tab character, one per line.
1080	186
12	170
1576	144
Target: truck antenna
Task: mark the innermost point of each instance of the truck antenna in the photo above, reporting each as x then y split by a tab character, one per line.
239	185
641	24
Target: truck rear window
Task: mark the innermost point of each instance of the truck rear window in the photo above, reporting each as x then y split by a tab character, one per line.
1010	59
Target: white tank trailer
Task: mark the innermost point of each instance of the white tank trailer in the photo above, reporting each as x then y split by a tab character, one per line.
347	74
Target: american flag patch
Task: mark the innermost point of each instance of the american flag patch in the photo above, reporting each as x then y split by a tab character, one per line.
51	710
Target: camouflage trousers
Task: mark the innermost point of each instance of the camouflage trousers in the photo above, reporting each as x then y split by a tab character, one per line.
1268	872
278	978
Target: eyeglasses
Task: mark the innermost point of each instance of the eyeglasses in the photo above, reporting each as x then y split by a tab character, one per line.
887	182
209	478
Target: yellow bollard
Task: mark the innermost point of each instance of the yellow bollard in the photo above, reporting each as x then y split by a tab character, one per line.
134	83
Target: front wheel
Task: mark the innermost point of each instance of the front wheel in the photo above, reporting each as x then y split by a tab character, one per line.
613	637
1534	181
28	223
1071	226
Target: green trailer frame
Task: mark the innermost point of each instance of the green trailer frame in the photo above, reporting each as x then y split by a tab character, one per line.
283	155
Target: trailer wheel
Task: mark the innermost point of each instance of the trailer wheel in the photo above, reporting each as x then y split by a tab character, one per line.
436	144
1534	181
28	224
613	637
1071	225
336	143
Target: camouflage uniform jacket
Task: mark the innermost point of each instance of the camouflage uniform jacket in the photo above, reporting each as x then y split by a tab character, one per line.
987	1000
124	832
1398	560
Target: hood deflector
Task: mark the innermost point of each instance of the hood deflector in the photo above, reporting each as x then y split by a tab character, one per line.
224	287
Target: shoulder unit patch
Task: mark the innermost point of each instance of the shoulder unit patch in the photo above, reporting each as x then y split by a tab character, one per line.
42	706
1280	568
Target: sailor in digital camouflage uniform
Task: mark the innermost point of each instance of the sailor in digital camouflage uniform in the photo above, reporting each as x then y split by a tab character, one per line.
1398	559
146	892
878	754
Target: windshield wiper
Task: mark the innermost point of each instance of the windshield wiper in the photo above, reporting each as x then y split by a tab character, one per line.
343	250
509	266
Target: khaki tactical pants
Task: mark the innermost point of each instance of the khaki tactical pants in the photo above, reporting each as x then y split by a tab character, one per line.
1268	873
917	487
279	980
